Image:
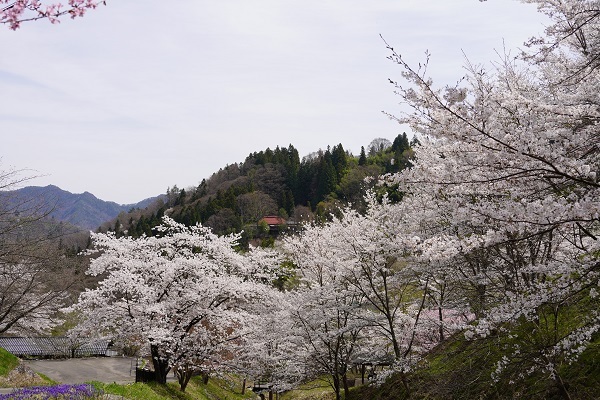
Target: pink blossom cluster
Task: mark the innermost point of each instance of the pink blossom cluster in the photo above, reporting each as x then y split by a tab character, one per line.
14	12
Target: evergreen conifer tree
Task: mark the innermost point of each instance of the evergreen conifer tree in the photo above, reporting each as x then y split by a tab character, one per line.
362	160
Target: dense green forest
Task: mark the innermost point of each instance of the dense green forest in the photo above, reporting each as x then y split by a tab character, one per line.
275	182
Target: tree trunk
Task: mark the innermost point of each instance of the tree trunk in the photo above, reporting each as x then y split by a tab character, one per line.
161	367
480	302
183	377
345	381
441	319
405	383
561	387
336	386
395	345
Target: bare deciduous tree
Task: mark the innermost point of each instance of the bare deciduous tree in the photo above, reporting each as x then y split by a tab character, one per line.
35	279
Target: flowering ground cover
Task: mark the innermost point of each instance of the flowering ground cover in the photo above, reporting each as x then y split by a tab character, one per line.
58	392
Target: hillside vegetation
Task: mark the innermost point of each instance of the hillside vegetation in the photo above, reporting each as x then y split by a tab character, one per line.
274	182
7	362
465	369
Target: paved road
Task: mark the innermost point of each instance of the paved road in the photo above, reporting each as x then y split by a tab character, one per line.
80	370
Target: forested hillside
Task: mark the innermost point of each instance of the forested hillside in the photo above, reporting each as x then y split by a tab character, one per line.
274	182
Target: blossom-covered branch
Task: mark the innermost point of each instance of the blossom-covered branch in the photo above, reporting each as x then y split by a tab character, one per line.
15	12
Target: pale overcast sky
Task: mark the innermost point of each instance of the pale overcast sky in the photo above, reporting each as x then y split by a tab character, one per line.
138	96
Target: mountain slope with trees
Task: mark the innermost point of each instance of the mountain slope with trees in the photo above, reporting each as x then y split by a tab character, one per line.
274	182
83	210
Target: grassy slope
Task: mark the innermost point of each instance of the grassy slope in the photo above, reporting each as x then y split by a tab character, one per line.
315	390
196	390
7	362
462	369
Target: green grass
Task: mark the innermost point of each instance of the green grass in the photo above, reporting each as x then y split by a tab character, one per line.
7	362
228	388
148	391
221	389
47	380
315	390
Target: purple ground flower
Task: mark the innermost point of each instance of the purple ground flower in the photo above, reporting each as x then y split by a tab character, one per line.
58	392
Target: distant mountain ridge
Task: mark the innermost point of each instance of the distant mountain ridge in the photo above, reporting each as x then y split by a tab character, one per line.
83	210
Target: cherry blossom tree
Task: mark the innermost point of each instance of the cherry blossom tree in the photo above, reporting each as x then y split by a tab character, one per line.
378	264
185	296
268	356
508	176
326	333
359	277
326	312
15	12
